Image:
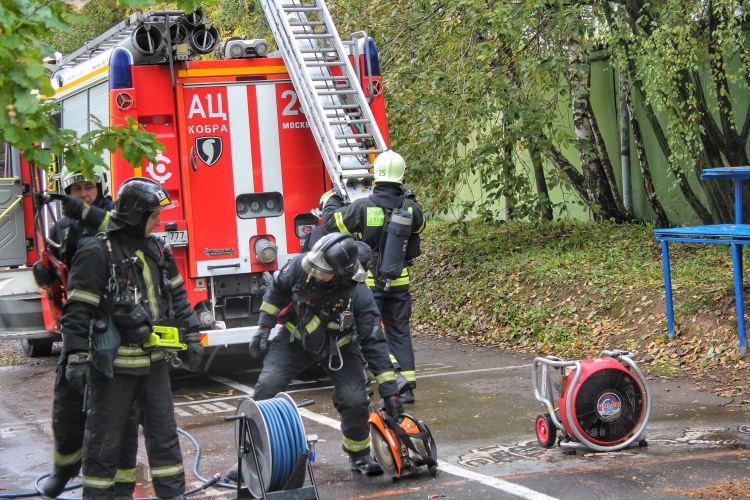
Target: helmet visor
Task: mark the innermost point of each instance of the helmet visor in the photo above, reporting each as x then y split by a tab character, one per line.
314	263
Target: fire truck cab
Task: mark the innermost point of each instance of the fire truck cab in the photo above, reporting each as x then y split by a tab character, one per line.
240	162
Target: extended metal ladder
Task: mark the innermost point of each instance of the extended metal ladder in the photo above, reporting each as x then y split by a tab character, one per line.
333	103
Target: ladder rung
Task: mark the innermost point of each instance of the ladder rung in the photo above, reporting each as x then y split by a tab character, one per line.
342	116
308	23
318	58
335	86
349	114
354	168
291	8
344	122
329	78
362	152
353	136
309	32
365	174
343	106
312	37
312	64
337	92
316	51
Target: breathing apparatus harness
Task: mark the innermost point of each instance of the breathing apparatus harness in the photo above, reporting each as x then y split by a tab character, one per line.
125	307
345	320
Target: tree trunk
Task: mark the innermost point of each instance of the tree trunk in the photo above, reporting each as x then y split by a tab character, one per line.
604	206
541	183
687	191
562	164
606	164
507	166
661	214
627	187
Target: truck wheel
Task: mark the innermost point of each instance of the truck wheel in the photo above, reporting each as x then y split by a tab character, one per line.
37	348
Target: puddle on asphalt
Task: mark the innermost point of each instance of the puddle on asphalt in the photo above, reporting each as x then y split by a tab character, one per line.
530	451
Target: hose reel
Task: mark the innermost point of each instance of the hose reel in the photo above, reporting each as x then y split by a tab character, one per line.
273	450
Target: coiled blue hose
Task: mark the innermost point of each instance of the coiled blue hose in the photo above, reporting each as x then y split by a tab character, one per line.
287	438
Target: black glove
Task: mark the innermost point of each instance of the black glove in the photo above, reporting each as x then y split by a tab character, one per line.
259	344
194	352
73	207
337	190
393	407
77	372
43	276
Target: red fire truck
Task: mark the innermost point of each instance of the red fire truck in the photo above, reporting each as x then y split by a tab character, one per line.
244	159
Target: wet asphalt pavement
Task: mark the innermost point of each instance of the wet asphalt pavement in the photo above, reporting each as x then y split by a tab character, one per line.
478	403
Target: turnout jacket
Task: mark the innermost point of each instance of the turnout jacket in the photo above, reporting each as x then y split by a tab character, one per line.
317	315
145	265
74	231
366	218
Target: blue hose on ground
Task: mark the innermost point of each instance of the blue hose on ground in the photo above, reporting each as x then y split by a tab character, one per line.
195	468
206	482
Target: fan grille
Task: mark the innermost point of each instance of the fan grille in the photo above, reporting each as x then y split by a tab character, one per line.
608	405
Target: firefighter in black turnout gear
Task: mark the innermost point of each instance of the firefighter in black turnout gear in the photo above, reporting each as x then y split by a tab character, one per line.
374	219
320	230
85	213
121	284
328	314
85	208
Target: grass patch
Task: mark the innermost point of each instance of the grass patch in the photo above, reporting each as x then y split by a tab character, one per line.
573	288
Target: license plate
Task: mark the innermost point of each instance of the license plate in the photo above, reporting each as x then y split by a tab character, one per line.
177	238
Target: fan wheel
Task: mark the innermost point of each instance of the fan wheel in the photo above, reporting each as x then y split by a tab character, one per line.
609	405
546	431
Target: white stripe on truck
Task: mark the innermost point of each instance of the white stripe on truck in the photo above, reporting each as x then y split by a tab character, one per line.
270	154
242	166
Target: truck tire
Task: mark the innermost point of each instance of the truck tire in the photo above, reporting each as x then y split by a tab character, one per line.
37	348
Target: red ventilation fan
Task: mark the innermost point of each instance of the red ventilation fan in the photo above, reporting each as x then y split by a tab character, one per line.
604	403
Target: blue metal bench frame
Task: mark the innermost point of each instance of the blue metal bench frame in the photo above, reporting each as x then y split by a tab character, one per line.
735	235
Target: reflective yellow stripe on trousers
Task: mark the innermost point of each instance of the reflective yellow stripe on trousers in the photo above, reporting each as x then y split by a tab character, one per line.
63	460
167	470
355	446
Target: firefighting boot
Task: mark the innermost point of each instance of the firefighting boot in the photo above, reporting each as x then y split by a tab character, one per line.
407	396
404	389
55	484
365	464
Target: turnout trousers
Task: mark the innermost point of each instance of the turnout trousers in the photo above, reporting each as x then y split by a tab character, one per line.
395	310
285	360
68	425
110	401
